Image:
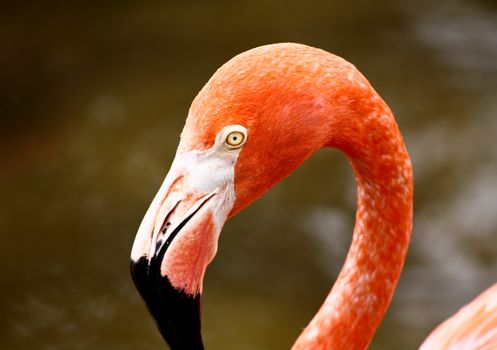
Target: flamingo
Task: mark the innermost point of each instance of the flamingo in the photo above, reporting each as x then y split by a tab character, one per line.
262	114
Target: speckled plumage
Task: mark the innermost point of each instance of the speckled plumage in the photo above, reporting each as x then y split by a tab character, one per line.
293	99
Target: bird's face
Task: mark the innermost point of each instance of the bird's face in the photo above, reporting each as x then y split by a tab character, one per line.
178	235
244	133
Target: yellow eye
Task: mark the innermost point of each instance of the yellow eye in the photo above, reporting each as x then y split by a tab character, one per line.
235	139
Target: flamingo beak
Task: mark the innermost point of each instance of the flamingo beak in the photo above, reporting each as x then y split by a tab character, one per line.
176	241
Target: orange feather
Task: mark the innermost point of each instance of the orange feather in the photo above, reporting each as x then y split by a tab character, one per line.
294	99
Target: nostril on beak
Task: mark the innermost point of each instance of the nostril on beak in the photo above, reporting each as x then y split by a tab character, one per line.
166	226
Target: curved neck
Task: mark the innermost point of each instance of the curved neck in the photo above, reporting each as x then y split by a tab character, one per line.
358	301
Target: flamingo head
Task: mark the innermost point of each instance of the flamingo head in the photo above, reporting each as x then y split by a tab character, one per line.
260	116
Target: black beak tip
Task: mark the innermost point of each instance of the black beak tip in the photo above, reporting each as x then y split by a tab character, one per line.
176	313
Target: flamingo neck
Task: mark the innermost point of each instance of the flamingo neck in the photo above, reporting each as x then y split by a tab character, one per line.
358	301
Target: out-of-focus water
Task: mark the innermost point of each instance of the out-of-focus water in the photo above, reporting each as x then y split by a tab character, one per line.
93	97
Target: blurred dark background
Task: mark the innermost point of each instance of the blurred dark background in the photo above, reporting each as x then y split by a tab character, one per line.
93	96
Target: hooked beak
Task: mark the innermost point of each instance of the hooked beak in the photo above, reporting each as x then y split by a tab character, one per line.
176	241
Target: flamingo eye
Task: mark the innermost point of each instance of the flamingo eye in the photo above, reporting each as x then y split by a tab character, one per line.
235	139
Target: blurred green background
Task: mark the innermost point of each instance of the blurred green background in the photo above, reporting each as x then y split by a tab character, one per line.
93	96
